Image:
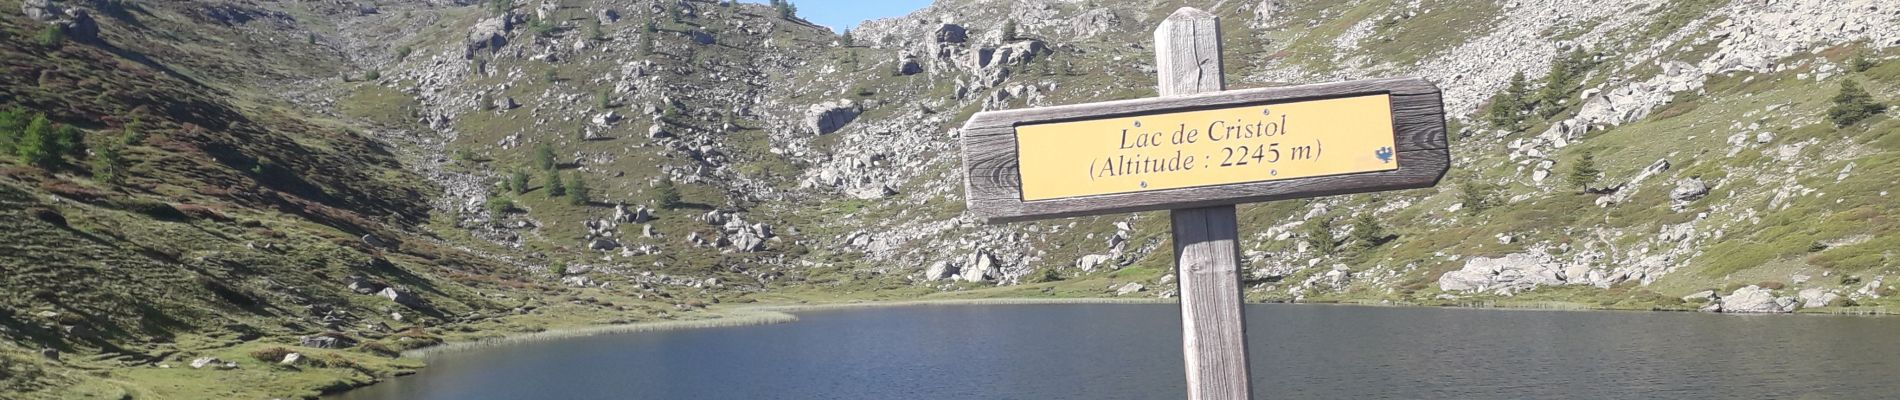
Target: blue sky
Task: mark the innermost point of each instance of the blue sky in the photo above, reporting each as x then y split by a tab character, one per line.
841	14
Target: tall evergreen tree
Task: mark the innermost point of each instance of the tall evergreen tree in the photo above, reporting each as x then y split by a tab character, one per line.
1366	231
1584	171
1507	107
544	157
577	192
555	187
518	181
667	194
1009	30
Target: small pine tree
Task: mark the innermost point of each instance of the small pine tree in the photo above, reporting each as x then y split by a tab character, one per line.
1009	30
402	53
499	205
577	192
846	38
558	268
132	136
69	140
518	181
373	75
500	6
51	36
593	29
1507	107
1366	231
1853	104
1319	233
604	99
38	143
1476	196
1860	62
550	76
109	166
544	157
555	187
12	124
1565	74
1584	171
667	194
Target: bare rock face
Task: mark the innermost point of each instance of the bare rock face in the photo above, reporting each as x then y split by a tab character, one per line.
907	65
829	117
40	10
490	34
945	33
1509	274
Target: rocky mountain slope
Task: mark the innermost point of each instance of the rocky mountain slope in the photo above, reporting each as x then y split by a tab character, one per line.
347	179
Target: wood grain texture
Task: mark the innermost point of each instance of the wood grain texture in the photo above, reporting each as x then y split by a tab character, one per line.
1206	244
994	184
1213	326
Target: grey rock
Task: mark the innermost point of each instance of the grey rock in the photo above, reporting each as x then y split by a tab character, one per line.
939	271
323	342
1702	295
1504	275
748	242
606	119
828	117
603	244
1817	297
946	33
489	34
981	267
374	241
291	359
1129	288
607	16
201	362
1688	190
1755	299
402	297
507	103
908	65
50	353
1088	263
658	131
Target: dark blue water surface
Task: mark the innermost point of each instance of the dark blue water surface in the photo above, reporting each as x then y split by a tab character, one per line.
1134	352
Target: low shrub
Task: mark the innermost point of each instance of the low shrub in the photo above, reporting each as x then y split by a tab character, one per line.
270	355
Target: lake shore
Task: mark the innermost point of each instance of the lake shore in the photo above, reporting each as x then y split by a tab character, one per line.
745	316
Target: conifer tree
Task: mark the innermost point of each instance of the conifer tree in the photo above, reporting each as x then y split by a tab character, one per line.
38	143
1507	107
555	187
1584	171
1853	104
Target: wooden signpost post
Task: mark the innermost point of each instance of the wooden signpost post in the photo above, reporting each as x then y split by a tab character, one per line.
1198	150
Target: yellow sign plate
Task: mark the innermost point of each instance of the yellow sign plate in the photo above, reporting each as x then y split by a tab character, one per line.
1247	144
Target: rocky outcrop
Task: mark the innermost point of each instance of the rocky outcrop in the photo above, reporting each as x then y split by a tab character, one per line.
945	33
1756	299
489	34
828	117
1505	275
1130	288
981	267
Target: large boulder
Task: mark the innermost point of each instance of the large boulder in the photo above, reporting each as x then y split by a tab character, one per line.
940	270
1504	275
489	34
946	33
1756	299
324	342
1130	288
748	242
1817	297
40	10
1688	190
402	297
831	116
981	267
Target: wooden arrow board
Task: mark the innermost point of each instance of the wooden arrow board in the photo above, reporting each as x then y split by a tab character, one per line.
1229	147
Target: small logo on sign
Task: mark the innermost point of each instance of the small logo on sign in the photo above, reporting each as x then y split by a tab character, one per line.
1384	154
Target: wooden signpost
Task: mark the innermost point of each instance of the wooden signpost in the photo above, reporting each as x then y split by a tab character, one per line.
1198	150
